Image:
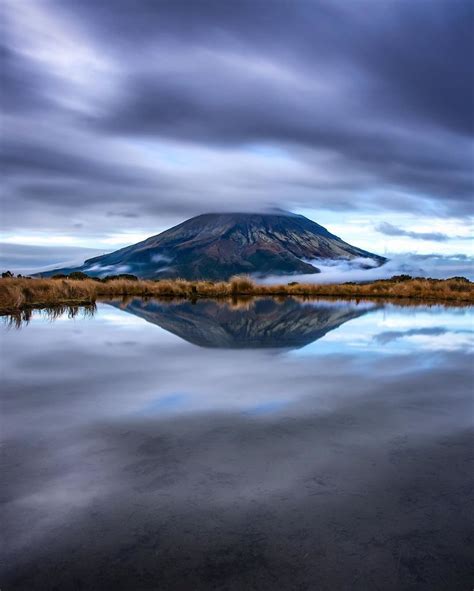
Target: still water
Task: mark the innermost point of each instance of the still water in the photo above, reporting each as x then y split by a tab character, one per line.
255	445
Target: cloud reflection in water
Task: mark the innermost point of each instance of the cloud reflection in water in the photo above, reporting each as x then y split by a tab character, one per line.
340	463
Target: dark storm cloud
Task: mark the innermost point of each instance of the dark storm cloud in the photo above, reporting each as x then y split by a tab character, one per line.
391	230
37	158
122	214
21	86
377	97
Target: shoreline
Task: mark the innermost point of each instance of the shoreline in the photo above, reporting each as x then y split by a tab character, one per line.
18	294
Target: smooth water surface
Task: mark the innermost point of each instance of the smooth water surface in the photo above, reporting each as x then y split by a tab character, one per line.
262	444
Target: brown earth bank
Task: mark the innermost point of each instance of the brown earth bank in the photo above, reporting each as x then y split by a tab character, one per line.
21	293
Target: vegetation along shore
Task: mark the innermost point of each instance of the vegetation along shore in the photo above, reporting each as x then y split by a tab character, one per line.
19	293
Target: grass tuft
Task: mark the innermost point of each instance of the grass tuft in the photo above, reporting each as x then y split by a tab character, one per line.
21	293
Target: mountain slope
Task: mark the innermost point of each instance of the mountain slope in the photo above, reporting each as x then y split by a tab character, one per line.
219	245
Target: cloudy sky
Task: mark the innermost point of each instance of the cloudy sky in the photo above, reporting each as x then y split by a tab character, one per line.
124	117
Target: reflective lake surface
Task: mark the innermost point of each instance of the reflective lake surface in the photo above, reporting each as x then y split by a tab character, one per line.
260	444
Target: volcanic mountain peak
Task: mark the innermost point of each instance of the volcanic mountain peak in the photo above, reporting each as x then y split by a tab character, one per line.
219	245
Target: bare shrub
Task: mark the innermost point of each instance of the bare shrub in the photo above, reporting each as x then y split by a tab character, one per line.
242	285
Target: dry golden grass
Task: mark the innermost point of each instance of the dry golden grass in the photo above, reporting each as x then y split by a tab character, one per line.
20	293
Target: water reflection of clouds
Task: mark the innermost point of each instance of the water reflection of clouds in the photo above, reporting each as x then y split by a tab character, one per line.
324	449
392	335
166	403
399	330
383	329
449	341
156	373
120	319
267	407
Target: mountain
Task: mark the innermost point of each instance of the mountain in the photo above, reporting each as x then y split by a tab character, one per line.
248	324
218	245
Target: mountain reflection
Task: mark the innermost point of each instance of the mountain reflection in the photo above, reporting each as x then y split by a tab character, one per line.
249	324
